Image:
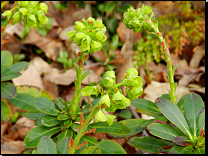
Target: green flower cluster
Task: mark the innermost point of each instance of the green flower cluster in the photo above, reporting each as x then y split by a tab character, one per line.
32	11
113	98
135	19
89	34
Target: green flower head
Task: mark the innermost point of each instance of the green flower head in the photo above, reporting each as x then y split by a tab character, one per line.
44	7
7	13
104	100
23	3
78	25
100	116
95	46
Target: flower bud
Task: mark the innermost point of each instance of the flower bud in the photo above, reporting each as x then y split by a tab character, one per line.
78	25
108	81
110	119
90	20
131	72
71	34
86	91
100	36
112	108
134	92
31	21
23	3
110	74
85	44
7	13
104	100
135	81
42	18
16	17
123	104
34	3
23	11
44	7
78	38
95	91
100	116
98	24
95	46
117	97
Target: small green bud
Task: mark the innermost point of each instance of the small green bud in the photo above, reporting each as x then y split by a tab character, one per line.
131	72
134	92
7	13
90	19
33	3
23	11
95	90
123	104
104	100
42	18
135	81
23	3
110	119
31	21
117	97
44	7
78	38
85	44
98	24
71	34
108	81
110	74
100	36
86	91
78	25
100	116
16	17
95	46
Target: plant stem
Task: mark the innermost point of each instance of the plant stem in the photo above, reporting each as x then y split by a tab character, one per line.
77	94
115	86
82	129
147	70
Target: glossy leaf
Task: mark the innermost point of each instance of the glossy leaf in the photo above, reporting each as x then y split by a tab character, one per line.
147	107
49	120
162	131
34	91
62	117
193	104
24	101
46	106
61	103
106	146
149	144
62	146
6	59
8	90
33	136
135	125
64	134
5	111
173	113
91	150
46	146
38	121
32	115
115	128
201	120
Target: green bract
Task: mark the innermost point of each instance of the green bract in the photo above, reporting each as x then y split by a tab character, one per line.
87	91
110	119
104	100
89	34
100	116
44	7
7	13
23	3
95	90
131	72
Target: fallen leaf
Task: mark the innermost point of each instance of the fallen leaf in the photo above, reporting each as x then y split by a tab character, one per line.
197	56
83	13
12	147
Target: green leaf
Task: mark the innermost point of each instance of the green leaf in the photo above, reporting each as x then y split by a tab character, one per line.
91	150
10	76
66	133
181	150
114	42
62	117
106	146
115	128
112	24
62	146
24	101
61	103
46	146
181	140
8	90
46	106
193	105
135	125
33	136
180	103
200	150
110	6
32	115
34	91
49	120
126	114
149	144
38	121
17	67
147	107
201	120
86	73
5	111
162	131
173	113
6	59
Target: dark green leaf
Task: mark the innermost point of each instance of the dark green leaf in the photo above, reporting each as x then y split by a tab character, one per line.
46	106
167	96
112	24
38	121
173	113
110	6
135	125
49	120
5	111
101	7
162	131
10	76
193	104
126	114
86	73
17	67
8	90
33	136
62	117
180	103
32	115
66	133
106	146
6	59
201	120
181	150
46	146
75	127
27	151
24	101
91	150
114	42
61	103
62	146
149	144
115	128
33	91
146	107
